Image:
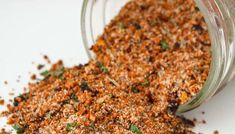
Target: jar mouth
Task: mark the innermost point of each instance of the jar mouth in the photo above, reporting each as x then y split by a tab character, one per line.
219	68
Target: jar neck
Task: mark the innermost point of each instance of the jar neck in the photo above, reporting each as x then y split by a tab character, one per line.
220	19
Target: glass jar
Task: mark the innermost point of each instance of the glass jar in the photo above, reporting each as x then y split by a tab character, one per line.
220	18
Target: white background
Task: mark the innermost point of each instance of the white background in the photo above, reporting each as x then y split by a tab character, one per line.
31	28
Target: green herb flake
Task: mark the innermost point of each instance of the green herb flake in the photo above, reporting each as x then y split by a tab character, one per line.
71	126
84	86
23	97
102	67
135	90
15	103
48	116
18	128
59	73
66	102
164	45
146	82
135	129
110	95
122	26
92	126
45	74
74	97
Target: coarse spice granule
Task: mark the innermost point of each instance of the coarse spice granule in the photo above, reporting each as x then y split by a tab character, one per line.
152	57
216	132
40	66
5	82
2	102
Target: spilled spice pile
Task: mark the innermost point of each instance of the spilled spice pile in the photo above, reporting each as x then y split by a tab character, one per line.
152	57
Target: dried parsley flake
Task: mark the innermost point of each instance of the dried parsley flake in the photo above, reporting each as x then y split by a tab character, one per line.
164	45
71	126
135	129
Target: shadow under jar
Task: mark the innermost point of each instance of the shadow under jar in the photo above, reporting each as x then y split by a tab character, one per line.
220	18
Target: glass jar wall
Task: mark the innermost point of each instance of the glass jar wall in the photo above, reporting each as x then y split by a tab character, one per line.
220	18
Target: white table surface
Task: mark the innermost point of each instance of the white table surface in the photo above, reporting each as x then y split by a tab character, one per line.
31	28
